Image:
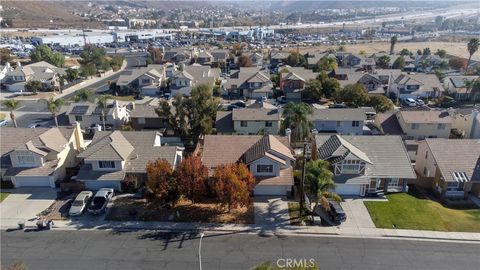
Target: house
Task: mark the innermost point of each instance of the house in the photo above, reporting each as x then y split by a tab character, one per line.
47	74
341	121
147	80
38	157
4	69
278	58
183	81
416	86
112	155
256	58
457	86
268	158
90	114
263	119
293	79
418	125
178	55
366	164
372	83
204	58
144	117
220	58
313	58
249	82
450	167
467	125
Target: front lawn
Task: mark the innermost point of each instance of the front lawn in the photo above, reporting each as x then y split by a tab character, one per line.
3	196
409	212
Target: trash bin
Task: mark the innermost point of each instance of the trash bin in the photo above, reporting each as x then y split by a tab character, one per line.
21	224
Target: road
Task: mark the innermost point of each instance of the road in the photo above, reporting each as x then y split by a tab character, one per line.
156	250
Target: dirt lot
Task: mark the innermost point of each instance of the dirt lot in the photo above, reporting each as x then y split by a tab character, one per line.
58	210
131	209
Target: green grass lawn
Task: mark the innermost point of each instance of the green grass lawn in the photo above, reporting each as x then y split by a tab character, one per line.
409	212
3	196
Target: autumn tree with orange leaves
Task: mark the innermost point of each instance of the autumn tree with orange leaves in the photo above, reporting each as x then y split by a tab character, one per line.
233	184
192	177
159	176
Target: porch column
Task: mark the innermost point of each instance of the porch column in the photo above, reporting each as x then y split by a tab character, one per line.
405	185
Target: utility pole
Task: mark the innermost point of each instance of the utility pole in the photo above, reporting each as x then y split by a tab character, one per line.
306	158
84	37
200	251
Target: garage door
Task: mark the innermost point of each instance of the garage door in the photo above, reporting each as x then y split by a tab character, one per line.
96	185
345	189
33	181
270	190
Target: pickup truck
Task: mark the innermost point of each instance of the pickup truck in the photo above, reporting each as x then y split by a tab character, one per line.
100	201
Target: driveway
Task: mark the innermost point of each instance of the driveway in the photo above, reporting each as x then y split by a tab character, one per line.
25	203
357	214
271	211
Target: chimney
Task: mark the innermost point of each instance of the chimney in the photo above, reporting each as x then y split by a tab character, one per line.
77	132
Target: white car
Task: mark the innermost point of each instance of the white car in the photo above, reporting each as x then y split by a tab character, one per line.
34	125
410	102
80	203
3	122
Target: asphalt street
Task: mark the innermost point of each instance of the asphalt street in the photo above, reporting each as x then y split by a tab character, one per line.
162	250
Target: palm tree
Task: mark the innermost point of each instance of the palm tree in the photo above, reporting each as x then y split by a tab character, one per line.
53	106
472	47
102	103
318	179
12	105
296	118
393	41
84	95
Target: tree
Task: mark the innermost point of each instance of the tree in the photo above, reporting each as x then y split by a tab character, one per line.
426	51
318	179
102	103
419	52
399	63
381	103
192	178
457	63
393	41
441	53
116	62
44	53
155	55
53	106
84	94
244	61
93	60
353	95
295	59
405	52
233	185
33	86
88	70
326	64
5	56
313	90
72	74
296	118
12	105
472	47
159	175
383	61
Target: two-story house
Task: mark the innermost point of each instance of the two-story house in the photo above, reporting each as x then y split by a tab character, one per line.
249	121
249	82
220	58
269	159
114	154
147	80
458	86
38	157
183	81
341	121
256	58
277	58
47	74
416	86
144	117
90	114
366	164
204	58
418	125
178	55
293	79
451	168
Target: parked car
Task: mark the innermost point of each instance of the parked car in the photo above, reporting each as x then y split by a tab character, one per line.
100	201
3	122
80	203
410	102
239	104
420	102
336	211
337	106
34	125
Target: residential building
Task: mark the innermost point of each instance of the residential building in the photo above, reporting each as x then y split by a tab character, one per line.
177	55
366	164
278	58
451	168
418	125
268	157
112	155
220	58
145	117
293	79
204	58
457	86
467	125
183	81
4	69
147	80
249	82
416	86
47	74
341	121
38	157
90	114
256	58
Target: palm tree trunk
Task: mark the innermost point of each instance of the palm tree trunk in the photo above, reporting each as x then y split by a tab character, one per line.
103	120
12	116
56	120
468	62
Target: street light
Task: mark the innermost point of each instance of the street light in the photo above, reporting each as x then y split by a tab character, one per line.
200	251
307	155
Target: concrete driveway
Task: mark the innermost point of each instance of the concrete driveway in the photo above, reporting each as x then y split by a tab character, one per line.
271	211
357	214
25	203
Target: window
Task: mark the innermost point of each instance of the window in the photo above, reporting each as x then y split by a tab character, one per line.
243	123
355	123
268	124
415	126
106	164
264	168
452	186
351	166
78	118
421	137
393	182
26	160
441	126
141	120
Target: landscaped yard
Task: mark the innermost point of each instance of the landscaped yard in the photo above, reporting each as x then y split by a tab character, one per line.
3	196
406	211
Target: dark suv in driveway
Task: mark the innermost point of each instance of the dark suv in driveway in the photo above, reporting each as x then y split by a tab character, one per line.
336	212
